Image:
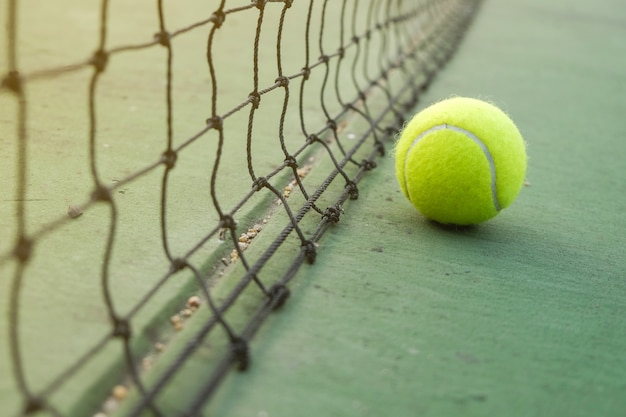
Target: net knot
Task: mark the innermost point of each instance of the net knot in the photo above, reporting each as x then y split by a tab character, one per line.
333	214
169	158
353	190
288	3
218	18
332	124
368	165
33	405
259	4
23	249
99	60
259	183
227	222
355	40
121	328
310	251
312	138
340	52
282	81
178	264
239	350
216	122
278	294
306	73
12	82
380	148
291	162
101	194
163	38
324	59
254	98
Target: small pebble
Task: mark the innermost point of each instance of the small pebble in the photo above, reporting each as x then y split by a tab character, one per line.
119	392
110	405
147	362
74	211
194	301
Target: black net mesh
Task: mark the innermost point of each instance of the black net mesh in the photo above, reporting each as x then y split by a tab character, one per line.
164	189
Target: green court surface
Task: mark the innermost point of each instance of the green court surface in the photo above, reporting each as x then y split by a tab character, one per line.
521	316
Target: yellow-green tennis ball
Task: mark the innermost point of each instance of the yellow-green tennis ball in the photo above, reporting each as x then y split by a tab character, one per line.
461	161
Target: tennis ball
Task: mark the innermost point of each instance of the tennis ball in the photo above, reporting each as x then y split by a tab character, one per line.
460	161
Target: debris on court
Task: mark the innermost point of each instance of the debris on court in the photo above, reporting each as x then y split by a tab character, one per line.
147	362
119	392
177	322
194	302
74	211
243	241
302	173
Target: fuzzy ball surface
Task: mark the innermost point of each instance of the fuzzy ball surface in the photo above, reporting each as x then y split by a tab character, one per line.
460	161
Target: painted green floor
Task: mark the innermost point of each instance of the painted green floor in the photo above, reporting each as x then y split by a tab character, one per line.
522	316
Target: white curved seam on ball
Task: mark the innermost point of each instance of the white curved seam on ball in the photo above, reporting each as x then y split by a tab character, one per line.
483	147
